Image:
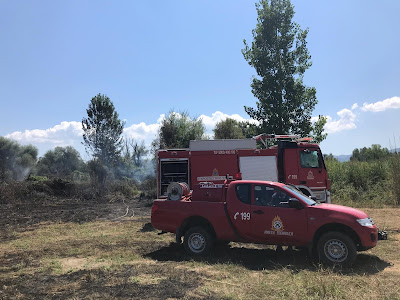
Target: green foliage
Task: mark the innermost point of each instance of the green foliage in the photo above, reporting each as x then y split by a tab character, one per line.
248	129
16	161
280	57
60	162
357	183
318	130
228	129
177	130
121	189
375	152
148	188
395	175
102	130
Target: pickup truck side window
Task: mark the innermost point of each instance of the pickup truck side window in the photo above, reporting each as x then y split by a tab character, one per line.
268	196
309	159
243	193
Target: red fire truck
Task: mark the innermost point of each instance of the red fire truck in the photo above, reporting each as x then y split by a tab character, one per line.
206	164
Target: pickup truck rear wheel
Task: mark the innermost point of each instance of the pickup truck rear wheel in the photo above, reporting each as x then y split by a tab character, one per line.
197	241
336	248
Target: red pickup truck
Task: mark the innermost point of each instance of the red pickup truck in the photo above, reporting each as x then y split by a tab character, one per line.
266	213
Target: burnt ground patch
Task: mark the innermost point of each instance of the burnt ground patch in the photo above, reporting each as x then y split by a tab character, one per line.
127	282
147	227
21	216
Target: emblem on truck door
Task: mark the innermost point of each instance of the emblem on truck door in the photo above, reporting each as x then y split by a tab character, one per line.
277	228
277	224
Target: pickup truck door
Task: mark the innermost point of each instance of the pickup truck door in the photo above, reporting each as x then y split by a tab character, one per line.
273	221
239	209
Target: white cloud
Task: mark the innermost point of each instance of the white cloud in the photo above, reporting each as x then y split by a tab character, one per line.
354	106
314	119
219	116
390	103
70	133
346	121
143	132
63	134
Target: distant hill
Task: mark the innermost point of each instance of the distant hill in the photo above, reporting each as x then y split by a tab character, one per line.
343	157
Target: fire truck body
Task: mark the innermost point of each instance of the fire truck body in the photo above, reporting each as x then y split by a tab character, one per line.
205	165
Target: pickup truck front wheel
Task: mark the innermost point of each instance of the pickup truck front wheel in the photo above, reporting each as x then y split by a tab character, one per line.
336	248
197	241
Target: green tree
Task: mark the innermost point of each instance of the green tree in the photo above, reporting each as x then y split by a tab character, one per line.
102	130
177	130
280	57
228	129
248	129
318	130
60	162
375	152
16	161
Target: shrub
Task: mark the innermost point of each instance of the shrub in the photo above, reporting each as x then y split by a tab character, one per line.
367	183
395	174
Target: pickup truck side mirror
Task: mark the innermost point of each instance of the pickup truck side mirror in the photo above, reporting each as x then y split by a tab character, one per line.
295	203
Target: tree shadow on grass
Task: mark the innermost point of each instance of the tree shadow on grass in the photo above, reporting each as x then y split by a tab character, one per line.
268	259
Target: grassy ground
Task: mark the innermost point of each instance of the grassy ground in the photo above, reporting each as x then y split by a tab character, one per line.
125	258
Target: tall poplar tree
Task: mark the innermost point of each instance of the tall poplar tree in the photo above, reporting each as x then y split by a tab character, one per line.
280	57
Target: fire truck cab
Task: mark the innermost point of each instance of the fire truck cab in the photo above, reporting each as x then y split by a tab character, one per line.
207	163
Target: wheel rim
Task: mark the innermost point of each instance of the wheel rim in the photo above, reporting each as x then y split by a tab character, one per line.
335	250
196	242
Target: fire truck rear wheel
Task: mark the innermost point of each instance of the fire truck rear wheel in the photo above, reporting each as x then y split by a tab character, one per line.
198	241
336	248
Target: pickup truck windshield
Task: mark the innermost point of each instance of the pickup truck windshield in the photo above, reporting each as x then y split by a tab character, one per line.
300	195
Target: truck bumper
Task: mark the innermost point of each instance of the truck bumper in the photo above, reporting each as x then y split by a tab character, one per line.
368	237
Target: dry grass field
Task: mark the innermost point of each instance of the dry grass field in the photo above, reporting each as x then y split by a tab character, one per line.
89	252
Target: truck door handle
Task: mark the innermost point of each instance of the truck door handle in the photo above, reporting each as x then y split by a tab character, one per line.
260	212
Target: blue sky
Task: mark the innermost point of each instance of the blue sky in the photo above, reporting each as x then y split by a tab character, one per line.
153	56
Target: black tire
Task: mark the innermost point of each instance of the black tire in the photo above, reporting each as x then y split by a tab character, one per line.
198	241
336	248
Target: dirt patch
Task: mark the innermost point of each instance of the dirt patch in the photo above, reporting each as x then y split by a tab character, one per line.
385	218
76	263
394	268
73	263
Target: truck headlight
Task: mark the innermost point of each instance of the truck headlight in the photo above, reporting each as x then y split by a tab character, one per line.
366	222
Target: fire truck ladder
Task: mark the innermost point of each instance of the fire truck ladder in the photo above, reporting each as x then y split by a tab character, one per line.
294	137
